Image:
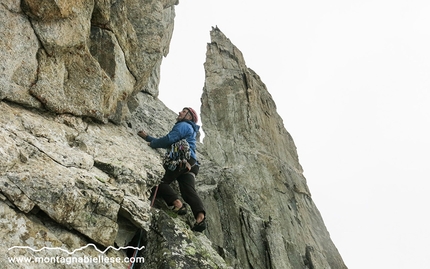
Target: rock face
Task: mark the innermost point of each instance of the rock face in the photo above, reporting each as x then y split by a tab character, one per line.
78	80
82	57
265	210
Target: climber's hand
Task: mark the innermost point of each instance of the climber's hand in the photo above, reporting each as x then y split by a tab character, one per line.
142	134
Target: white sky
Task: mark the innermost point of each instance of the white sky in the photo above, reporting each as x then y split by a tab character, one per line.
351	80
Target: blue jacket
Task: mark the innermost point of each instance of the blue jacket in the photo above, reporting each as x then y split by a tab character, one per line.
181	130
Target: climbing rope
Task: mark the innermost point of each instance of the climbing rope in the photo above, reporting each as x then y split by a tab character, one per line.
178	155
131	265
155	195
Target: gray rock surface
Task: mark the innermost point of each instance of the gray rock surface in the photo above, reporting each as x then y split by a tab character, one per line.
78	79
84	57
264	208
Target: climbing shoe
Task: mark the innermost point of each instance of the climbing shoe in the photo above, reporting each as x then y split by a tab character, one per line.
199	227
180	211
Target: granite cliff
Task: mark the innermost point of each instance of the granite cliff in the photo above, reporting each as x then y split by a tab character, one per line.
78	80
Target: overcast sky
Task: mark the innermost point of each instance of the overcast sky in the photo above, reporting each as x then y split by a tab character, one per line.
351	80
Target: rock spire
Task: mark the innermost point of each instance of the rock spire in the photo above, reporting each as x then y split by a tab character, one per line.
265	201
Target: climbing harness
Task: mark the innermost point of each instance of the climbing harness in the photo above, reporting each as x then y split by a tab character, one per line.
177	156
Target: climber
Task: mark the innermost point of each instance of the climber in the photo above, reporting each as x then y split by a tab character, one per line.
185	127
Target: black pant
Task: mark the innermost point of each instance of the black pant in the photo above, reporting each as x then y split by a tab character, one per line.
186	184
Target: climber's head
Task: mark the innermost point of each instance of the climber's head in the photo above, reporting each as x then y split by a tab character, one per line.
187	113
